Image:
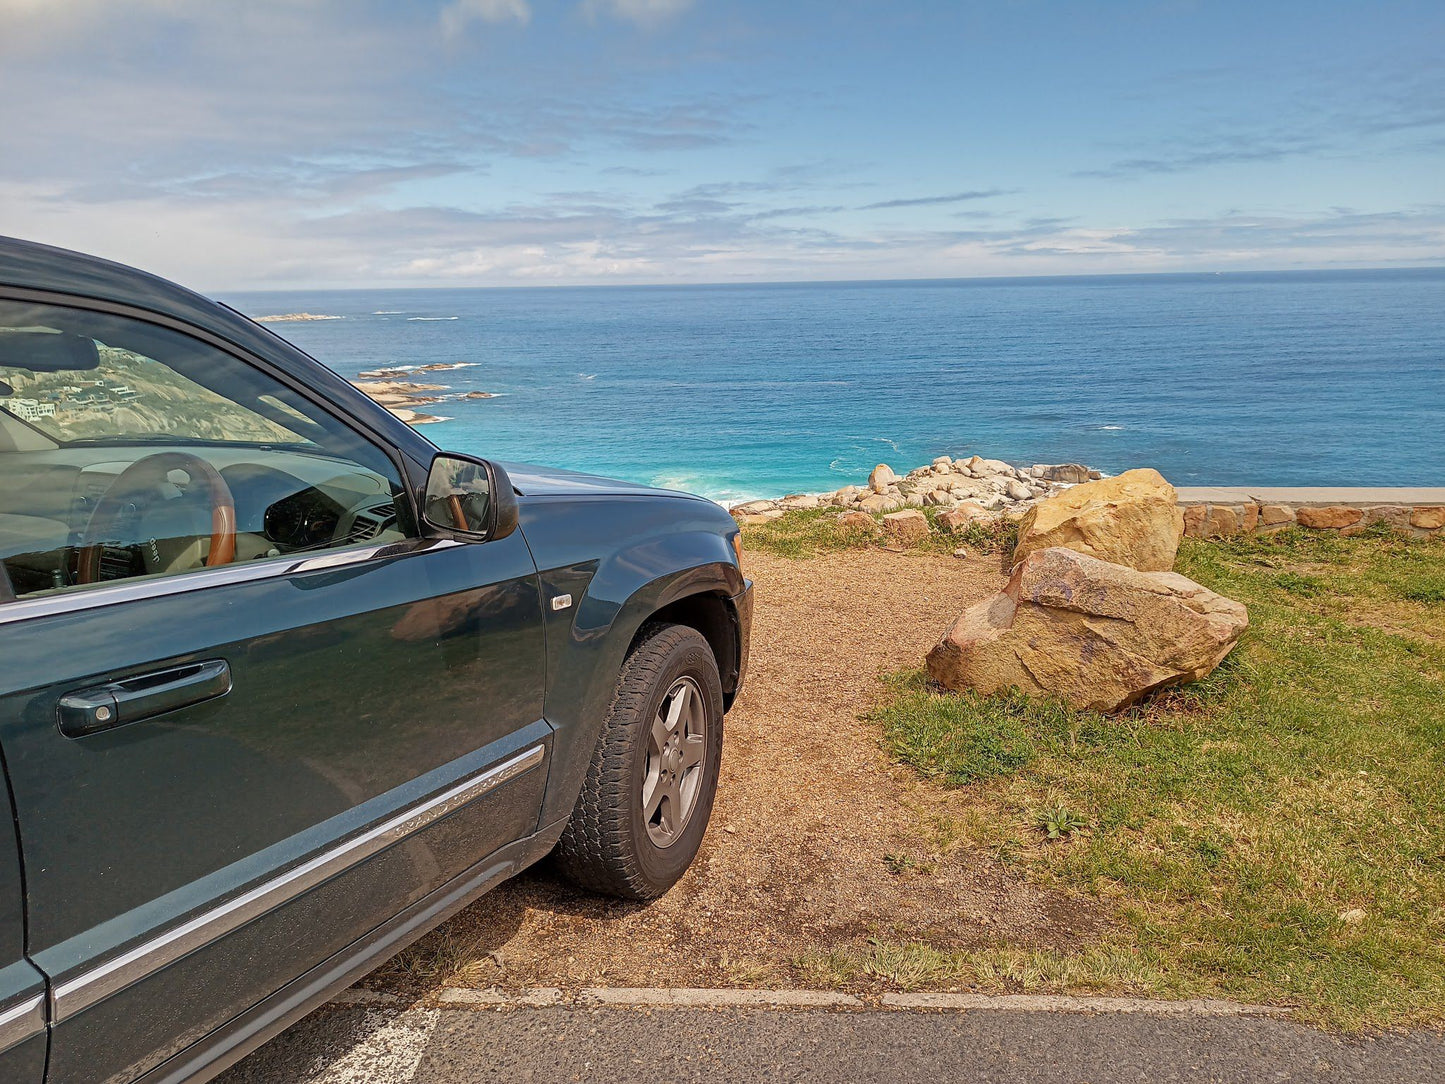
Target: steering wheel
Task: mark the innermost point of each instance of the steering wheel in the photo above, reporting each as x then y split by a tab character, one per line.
150	473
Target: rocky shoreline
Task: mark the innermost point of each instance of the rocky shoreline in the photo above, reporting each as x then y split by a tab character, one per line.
965	490
987	491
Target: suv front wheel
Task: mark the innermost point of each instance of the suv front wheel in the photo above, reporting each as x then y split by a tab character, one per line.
645	804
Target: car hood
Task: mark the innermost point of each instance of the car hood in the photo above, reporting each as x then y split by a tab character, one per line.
531	480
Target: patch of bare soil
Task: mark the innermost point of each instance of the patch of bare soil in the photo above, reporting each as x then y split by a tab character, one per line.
809	806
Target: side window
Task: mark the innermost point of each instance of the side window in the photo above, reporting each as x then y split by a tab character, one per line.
128	450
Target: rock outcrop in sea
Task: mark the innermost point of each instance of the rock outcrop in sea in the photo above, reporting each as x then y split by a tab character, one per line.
403	396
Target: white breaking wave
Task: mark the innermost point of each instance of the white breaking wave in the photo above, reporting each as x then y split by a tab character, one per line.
716	491
1109	427
388	312
431	318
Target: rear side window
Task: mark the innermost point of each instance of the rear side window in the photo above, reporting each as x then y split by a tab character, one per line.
131	450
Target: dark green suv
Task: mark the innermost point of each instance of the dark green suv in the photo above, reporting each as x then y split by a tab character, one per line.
282	686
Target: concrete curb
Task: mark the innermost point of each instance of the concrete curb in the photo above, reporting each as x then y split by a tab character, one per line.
1067	1003
1307	496
702	998
536	997
691	997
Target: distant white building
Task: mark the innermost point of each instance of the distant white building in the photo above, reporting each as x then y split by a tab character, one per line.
30	409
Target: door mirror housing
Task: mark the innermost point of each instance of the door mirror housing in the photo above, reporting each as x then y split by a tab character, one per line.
468	499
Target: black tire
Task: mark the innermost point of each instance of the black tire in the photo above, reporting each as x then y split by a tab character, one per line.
607	847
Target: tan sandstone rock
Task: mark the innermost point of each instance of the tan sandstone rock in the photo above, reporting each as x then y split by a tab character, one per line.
799	500
880	502
1276	515
906	528
1096	634
959	517
1396	516
1069	473
753	508
1213	521
1428	517
857	521
881	478
1132	519
1335	516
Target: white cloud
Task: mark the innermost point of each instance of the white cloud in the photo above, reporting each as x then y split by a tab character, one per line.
27	25
641	12
460	14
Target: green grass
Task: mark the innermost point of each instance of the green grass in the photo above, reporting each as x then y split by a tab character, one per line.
809	532
1274	833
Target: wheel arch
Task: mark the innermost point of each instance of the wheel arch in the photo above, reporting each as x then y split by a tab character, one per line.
715	617
616	608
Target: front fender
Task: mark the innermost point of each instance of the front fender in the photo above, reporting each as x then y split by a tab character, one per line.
637	556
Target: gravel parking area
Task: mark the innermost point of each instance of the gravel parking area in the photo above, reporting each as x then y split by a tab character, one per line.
800	856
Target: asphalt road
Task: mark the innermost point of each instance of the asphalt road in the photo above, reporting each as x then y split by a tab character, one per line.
722	1046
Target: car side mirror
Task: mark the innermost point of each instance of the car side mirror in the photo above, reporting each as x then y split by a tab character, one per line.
469	499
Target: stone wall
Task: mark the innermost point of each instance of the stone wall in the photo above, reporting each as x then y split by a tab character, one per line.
1221	512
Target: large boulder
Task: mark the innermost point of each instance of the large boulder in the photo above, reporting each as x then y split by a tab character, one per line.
906	528
1097	635
854	520
881	478
1068	473
880	502
959	517
1131	519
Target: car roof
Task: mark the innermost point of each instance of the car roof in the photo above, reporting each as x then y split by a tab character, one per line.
43	267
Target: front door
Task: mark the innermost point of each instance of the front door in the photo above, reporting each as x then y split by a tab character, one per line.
22	987
207	759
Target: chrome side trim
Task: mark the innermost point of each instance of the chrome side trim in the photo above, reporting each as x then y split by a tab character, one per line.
200	579
84	990
20	1022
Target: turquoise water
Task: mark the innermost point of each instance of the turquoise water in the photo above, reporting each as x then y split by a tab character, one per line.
733	391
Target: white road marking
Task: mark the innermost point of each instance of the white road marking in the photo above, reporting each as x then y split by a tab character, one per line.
391	1050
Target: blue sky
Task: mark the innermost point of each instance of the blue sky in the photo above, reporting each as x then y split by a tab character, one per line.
280	143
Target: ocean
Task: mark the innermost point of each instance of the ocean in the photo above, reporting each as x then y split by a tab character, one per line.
736	391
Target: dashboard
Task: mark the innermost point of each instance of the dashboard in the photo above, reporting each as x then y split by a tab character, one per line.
302	520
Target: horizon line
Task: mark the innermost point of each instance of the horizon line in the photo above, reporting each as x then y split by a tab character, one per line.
747	283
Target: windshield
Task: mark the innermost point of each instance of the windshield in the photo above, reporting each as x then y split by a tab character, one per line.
129	396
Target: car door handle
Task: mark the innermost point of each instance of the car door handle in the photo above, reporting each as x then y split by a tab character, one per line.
100	707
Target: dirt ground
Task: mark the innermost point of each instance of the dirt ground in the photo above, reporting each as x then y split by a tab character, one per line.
809	806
